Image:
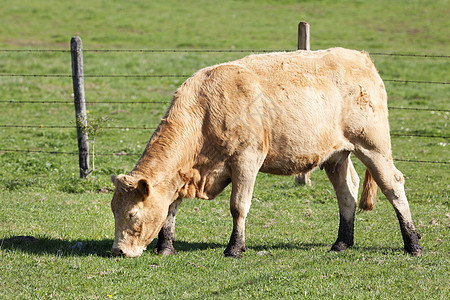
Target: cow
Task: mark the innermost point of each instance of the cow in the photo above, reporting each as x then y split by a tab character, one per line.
282	113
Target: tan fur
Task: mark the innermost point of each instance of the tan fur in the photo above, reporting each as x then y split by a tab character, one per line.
280	113
369	193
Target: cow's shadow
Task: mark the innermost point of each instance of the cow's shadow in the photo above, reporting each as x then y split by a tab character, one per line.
83	247
102	248
57	247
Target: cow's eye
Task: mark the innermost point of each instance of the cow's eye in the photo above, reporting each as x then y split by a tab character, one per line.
133	214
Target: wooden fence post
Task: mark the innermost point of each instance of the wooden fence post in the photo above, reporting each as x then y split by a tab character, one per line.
303	36
80	104
303	44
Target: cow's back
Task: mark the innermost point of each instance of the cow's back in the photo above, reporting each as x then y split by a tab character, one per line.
296	107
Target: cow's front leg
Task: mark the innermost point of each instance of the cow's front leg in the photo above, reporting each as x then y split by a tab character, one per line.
243	179
345	181
166	234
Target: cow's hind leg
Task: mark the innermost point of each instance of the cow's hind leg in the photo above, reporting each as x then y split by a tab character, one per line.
243	176
391	182
166	235
345	181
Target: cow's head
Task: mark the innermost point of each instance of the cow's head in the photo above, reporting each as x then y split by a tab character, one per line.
138	214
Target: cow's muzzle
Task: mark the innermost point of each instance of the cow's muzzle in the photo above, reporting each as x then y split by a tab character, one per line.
117	252
126	252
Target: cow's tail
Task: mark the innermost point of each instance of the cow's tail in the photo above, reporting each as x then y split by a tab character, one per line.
369	193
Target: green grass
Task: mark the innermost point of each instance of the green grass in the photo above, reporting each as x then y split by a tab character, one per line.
289	228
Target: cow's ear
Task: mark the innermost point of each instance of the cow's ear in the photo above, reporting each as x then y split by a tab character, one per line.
144	187
125	183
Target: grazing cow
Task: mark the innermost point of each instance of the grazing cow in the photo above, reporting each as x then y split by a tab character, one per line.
279	113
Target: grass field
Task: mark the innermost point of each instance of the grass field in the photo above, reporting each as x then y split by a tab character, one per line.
290	229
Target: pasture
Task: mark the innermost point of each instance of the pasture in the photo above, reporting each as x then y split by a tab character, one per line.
66	223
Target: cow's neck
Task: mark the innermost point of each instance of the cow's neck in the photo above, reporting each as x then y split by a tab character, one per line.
171	149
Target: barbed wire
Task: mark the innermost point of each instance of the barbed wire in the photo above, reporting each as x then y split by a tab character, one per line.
175	76
74	127
415	81
120	153
38	151
36	126
154	128
87	102
206	51
186	76
422	161
419	135
35	50
418	109
123	153
409	55
99	76
167	102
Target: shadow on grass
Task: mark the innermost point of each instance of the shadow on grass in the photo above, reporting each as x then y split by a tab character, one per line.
57	247
315	246
289	246
182	246
102	248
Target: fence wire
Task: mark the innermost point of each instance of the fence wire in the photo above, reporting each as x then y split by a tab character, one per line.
167	102
206	51
99	76
175	76
154	128
87	102
185	76
122	153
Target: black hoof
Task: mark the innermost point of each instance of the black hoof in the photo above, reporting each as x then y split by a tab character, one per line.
415	250
164	251
339	246
234	252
